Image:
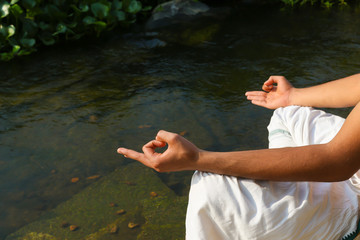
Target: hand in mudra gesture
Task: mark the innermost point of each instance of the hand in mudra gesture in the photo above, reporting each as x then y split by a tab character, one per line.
277	93
180	154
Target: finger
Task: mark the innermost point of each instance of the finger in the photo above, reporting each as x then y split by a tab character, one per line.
155	144
267	88
273	80
270	81
149	148
255	93
260	103
140	157
164	136
256	98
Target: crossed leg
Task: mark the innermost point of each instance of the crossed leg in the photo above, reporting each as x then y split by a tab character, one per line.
226	207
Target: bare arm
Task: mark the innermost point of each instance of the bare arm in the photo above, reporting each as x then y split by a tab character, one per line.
335	161
278	92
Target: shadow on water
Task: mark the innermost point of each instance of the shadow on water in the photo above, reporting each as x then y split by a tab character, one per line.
65	110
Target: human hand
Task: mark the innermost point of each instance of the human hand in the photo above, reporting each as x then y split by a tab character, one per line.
180	154
277	91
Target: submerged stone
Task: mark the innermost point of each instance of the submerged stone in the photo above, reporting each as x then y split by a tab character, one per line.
174	11
153	194
120	212
93	177
90	209
114	229
75	179
132	225
73	227
38	236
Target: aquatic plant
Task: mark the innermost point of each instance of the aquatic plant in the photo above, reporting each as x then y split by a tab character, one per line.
323	3
26	24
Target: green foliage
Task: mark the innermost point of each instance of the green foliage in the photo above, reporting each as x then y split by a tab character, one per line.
324	3
27	24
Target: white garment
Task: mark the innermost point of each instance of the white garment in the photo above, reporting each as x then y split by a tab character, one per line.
231	208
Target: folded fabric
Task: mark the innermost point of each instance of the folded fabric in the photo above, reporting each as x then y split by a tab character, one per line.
225	207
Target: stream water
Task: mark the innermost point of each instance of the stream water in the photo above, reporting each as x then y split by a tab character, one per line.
65	110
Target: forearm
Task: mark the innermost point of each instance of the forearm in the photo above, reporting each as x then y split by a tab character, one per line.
339	93
308	163
334	161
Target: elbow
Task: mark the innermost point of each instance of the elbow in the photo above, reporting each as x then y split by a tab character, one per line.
347	169
344	169
342	177
340	165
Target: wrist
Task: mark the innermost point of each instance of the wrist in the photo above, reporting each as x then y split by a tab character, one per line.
293	96
202	163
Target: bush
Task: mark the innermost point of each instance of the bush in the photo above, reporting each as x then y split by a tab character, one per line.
323	3
26	24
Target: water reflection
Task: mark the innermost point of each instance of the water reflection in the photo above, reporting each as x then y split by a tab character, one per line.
65	110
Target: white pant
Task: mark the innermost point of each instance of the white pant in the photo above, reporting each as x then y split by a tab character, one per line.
225	207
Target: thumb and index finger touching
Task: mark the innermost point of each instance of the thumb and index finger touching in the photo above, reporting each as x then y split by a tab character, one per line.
267	87
272	83
162	138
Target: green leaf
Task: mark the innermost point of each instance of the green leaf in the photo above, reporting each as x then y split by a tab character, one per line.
13	2
6	56
47	38
88	20
133	6
60	28
119	15
16	10
7	31
11	30
82	7
100	10
26	51
16	48
100	24
28	42
4	9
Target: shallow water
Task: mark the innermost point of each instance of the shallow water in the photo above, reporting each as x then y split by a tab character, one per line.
65	110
